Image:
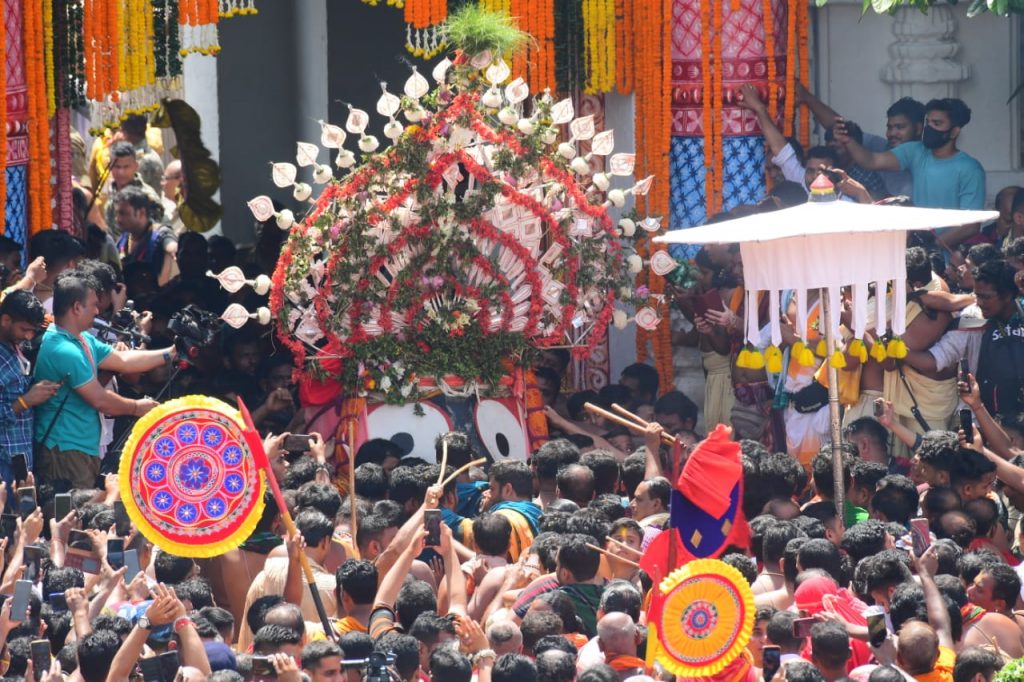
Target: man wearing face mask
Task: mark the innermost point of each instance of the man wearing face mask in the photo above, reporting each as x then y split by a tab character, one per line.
943	176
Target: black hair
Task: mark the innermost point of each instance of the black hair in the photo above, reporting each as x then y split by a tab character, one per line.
776	537
406	650
136	197
314	526
170	569
789	193
460	449
23	306
322	497
1006	583
537	624
8	245
269	638
958	527
605	468
492	533
979	254
896	498
820	553
562	605
70	289
610	505
864	539
985	513
62	578
742	563
546	546
907	107
96	652
1000	275
919	267
938	449
68	657
613	394
103	273
428	626
830	644
575	402
969	467
314	652
515	473
414	598
257	613
369	528
958	112
552	456
450	666
674	402
514	668
790	569
57	248
886	673
881	571
554	643
121	149
659	488
870	426
823	152
221	618
574	556
197	590
780	630
867	474
778	475
356	645
621	596
357	579
939	500
556	666
633	470
576	482
590	522
973	661
371	481
821	469
377	450
645	375
557	521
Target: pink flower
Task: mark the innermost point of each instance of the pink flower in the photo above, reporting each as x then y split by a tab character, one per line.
642	291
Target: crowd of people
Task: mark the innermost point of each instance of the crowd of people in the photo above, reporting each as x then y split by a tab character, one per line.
525	569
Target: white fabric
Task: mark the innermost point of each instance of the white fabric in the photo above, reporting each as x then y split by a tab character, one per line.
860	308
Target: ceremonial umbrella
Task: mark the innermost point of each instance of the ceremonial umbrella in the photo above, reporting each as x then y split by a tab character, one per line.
826	244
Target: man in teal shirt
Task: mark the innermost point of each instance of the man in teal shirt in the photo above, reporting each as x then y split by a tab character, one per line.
942	175
67	427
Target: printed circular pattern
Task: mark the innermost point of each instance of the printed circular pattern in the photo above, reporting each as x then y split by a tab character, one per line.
706	618
193	486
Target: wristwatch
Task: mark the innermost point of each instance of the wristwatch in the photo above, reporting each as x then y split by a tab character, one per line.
144	623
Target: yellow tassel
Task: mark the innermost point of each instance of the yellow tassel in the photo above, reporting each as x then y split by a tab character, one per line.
743	359
878	352
821	350
756	360
806	358
774	364
797	349
897	349
862	354
855	347
838	360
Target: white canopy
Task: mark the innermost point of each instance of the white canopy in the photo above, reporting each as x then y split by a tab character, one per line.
825	245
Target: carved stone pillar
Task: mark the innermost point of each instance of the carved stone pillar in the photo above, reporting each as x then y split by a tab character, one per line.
923	59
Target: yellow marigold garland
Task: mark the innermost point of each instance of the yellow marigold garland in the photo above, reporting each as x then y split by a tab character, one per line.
51	90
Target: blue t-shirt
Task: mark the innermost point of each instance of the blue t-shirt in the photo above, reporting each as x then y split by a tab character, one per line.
956	182
62	358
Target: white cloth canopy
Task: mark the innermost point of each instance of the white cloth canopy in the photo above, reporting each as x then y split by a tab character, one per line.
825	245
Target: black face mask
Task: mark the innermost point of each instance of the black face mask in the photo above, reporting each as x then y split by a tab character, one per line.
933	139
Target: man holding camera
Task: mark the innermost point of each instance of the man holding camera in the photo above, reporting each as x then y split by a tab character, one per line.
67	427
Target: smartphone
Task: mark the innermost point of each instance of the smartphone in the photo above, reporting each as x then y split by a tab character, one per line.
19	466
150	668
262	668
40	658
432	522
772	661
122	523
131	562
79	539
26	501
879	406
877	630
32	558
297	442
57	601
168	665
19	607
920	535
802	627
9	525
61	505
967	424
115	552
965	372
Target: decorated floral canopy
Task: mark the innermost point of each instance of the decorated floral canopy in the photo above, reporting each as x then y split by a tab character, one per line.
826	245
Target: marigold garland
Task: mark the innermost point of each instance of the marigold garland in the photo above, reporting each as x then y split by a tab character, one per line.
599	38
803	28
768	18
624	46
790	107
706	69
48	57
3	117
39	190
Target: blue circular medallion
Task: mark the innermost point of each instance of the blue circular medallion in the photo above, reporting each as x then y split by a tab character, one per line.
186	513
165	447
216	507
234	484
232	455
213	436
162	501
155	472
187	433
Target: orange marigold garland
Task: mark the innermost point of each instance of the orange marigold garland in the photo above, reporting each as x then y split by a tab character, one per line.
803	28
717	20
3	119
39	191
768	18
624	46
706	68
791	15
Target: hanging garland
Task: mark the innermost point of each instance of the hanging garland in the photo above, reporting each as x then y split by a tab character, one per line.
624	46
3	118
238	8
48	57
768	19
570	67
198	20
803	29
791	42
39	192
599	37
706	69
69	54
423	19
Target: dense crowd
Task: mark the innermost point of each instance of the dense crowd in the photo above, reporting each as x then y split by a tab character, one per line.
525	569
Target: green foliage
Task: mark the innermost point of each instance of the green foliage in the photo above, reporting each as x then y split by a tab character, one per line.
998	7
474	30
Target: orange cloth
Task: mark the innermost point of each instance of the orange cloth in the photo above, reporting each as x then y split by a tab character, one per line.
943	670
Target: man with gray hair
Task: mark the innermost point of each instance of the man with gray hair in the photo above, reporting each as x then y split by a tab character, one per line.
505	637
616	636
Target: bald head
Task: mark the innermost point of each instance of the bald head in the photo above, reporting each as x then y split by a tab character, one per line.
918	648
616	634
576	483
505	637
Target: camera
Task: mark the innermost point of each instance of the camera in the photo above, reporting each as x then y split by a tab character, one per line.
122	327
194	329
377	667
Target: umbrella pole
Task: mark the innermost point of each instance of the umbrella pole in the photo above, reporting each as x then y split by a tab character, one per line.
835	426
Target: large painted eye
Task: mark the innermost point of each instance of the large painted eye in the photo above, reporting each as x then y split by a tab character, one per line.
501	429
411	432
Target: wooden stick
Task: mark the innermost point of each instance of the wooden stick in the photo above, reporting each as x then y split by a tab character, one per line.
444	458
352	518
629	415
464	467
622	421
613	556
623	545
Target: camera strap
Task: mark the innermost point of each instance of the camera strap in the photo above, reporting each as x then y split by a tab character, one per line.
914	409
